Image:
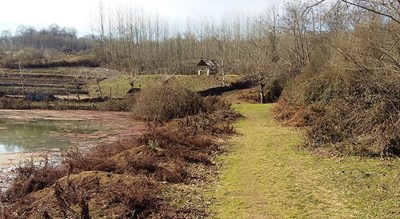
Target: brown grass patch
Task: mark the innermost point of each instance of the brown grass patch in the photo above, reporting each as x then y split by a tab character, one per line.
105	194
296	115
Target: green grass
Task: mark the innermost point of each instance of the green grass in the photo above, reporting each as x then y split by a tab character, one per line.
266	176
119	85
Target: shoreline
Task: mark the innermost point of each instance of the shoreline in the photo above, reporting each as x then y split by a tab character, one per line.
116	126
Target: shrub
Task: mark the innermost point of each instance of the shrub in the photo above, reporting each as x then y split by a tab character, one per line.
124	104
30	178
350	109
140	198
165	102
363	122
297	115
14	103
27	54
250	96
273	91
212	104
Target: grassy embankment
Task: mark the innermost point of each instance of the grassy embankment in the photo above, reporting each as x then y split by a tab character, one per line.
119	85
266	176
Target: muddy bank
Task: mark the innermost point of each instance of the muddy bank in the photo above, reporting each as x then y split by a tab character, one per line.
110	127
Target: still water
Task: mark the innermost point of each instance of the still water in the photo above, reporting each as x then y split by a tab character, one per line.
41	135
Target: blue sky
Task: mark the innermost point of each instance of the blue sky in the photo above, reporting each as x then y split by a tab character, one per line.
77	13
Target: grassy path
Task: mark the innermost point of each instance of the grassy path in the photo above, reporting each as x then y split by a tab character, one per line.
265	176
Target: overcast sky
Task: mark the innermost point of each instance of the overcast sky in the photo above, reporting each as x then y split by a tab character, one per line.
77	13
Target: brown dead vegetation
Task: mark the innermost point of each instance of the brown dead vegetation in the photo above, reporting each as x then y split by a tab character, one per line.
86	62
297	115
351	108
126	179
98	194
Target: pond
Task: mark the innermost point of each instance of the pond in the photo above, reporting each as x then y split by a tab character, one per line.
28	133
18	136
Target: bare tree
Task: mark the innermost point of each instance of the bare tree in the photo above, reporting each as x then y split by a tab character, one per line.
296	27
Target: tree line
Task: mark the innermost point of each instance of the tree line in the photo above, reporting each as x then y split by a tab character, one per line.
267	43
54	37
28	43
274	40
273	43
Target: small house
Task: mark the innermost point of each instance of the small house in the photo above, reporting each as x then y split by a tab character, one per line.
208	66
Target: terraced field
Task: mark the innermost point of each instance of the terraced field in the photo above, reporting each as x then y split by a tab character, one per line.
21	84
55	81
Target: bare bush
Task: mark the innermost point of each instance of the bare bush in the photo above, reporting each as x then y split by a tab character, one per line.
124	104
28	54
165	102
32	177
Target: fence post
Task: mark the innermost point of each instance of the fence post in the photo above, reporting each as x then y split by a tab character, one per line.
77	89
13	90
117	93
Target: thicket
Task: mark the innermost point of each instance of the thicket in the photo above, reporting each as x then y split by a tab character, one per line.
349	91
165	102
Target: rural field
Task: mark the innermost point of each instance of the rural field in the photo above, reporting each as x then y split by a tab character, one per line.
183	109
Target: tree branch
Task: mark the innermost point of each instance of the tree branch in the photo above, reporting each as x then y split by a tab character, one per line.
315	4
391	48
359	6
372	10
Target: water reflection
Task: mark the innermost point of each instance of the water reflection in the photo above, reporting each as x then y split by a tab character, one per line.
9	148
22	136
